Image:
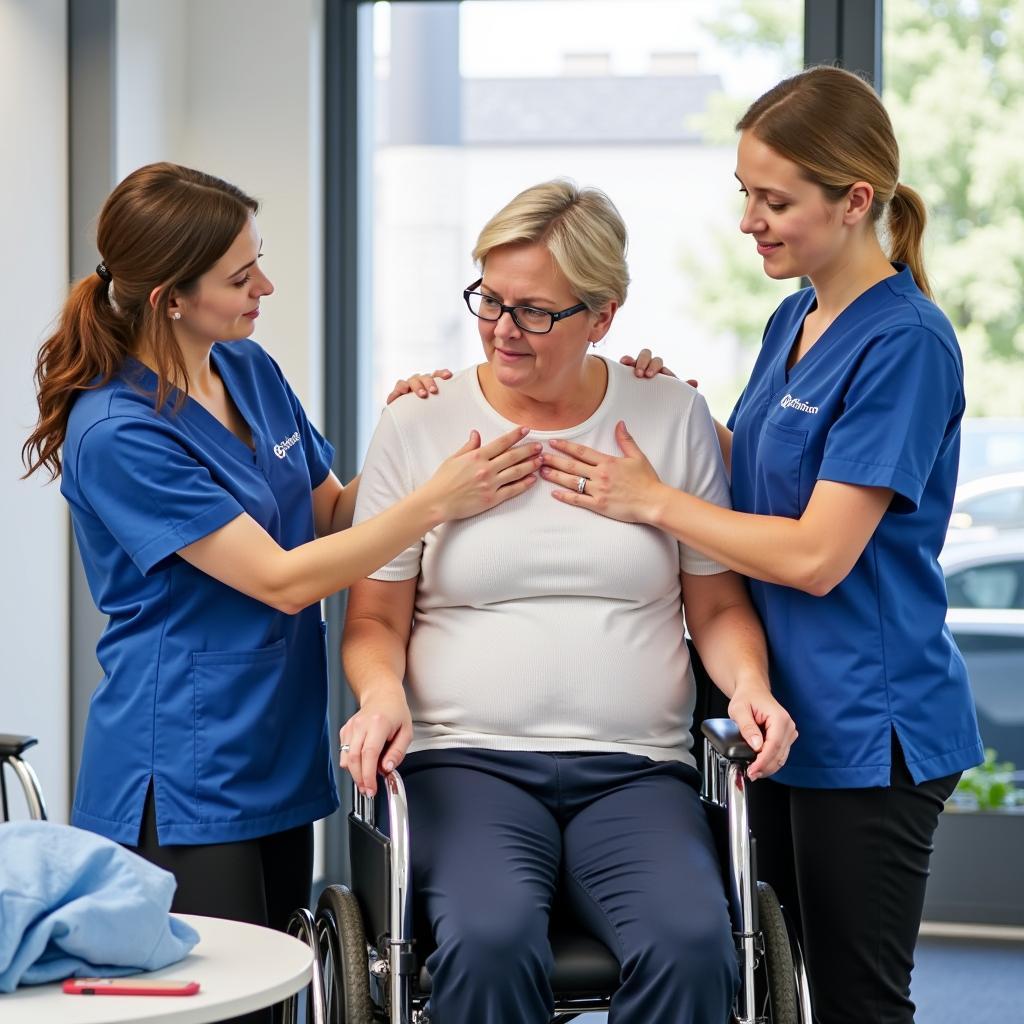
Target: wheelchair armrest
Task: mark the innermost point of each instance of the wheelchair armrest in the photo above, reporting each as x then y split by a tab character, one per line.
384	902
369	853
14	746
724	736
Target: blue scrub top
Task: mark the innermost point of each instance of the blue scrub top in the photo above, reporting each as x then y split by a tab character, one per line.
876	401
218	699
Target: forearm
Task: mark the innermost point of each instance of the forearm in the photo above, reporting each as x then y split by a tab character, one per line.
373	654
769	548
727	634
313	571
731	644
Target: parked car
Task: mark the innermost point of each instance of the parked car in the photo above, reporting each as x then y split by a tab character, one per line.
985	584
985	506
986	574
990	445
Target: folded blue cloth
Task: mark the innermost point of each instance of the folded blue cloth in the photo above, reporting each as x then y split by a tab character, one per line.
73	904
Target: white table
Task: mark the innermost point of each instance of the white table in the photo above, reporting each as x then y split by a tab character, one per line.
239	967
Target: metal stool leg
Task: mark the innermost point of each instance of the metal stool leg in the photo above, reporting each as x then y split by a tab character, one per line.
12	746
303	926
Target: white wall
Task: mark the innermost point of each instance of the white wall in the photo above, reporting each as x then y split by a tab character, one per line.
33	282
234	87
149	104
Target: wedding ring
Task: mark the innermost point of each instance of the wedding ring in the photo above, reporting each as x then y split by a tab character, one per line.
581	485
344	748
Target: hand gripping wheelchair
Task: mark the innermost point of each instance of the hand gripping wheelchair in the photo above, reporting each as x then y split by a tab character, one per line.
371	969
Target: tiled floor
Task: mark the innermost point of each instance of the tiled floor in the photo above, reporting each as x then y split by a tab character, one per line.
969	982
957	981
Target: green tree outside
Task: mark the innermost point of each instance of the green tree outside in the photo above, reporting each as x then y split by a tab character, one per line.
953	75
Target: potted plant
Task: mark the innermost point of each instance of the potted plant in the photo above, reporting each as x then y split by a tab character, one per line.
977	871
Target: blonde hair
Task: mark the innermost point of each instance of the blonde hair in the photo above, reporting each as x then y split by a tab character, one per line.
580	227
833	125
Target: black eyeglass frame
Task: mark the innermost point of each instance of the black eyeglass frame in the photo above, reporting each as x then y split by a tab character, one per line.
511	310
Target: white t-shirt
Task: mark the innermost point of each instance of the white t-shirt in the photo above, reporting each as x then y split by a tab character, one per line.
540	626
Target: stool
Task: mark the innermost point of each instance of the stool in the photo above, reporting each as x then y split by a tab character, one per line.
11	749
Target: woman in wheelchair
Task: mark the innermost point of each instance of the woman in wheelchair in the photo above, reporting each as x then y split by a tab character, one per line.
528	668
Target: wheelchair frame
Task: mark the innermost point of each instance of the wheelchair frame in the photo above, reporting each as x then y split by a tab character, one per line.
392	962
723	784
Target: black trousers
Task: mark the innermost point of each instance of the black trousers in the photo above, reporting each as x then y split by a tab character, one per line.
850	867
260	881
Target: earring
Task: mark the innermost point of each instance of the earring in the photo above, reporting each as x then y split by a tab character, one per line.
176	315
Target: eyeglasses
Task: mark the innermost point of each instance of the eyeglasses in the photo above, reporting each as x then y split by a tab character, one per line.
527	318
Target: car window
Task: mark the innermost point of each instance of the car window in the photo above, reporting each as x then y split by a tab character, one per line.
995	665
1003	509
999	585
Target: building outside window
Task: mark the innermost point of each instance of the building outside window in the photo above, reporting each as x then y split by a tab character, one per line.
475	101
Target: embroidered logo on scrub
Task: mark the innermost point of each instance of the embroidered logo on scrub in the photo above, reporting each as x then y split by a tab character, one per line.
281	449
789	402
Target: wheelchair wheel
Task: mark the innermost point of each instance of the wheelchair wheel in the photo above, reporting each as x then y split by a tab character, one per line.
776	977
343	947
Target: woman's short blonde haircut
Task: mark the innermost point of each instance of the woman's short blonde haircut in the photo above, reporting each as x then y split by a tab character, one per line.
580	228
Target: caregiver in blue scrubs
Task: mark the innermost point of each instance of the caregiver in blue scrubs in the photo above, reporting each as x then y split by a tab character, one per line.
843	451
210	526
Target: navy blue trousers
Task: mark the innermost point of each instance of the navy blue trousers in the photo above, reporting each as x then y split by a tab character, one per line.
495	833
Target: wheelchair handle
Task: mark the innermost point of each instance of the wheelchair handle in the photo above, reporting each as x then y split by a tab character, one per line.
725	738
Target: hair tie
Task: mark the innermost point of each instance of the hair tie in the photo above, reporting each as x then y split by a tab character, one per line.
104	274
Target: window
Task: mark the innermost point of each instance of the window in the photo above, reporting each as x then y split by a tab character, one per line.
998	585
474	102
1002	509
952	88
995	664
990	444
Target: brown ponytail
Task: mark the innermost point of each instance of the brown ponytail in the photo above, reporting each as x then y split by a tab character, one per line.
907	218
162	228
833	125
90	341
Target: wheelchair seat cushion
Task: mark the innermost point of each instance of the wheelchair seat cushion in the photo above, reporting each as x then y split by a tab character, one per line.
584	966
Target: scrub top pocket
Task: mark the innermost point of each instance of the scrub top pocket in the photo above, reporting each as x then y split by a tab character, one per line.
240	723
779	464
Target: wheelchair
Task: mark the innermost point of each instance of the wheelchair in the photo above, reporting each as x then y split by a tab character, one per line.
372	970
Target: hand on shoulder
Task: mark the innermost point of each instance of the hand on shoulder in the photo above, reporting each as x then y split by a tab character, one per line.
422	385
